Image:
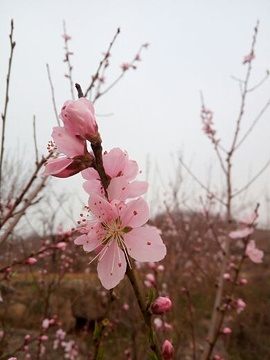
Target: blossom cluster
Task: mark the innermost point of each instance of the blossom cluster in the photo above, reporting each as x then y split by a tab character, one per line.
117	228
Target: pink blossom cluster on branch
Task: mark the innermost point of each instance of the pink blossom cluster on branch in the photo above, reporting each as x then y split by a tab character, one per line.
117	229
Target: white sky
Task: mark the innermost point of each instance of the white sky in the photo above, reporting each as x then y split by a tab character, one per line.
194	45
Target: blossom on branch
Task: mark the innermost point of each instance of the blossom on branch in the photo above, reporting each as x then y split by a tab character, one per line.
116	233
121	171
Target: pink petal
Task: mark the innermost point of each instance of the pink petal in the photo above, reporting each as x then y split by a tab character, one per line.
118	189
137	188
145	244
131	170
114	162
93	187
101	208
89	243
135	213
242	233
90	174
55	166
67	143
112	266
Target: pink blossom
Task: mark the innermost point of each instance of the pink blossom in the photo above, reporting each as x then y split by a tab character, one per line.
253	253
248	58
45	324
78	116
243	282
1	298
158	323
240	305
44	338
77	158
241	233
168	327
227	276
1	334
66	37
150	280
160	268
250	219
61	245
160	305
117	233
126	307
121	170
125	66
12	358
27	338
31	261
167	350
227	331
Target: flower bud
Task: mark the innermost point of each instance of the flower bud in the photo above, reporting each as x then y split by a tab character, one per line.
227	331
167	350
31	261
79	117
160	305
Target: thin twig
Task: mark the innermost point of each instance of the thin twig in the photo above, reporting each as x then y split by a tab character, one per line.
4	114
53	96
200	183
252	180
102	62
253	124
67	59
35	138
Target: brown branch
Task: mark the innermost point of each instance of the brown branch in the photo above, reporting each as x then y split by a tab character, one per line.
53	96
19	215
67	59
24	191
253	124
252	180
4	114
35	138
102	62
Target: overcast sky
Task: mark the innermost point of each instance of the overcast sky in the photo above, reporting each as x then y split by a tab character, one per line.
194	46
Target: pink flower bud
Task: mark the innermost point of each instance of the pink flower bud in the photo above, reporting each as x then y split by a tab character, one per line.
126	307
160	305
167	350
27	338
240	304
31	261
227	276
79	117
44	338
61	245
160	268
227	331
243	282
45	324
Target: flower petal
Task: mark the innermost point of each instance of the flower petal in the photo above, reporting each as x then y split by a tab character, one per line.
115	162
90	174
135	213
118	189
137	188
112	266
93	187
67	143
145	244
101	208
131	170
57	166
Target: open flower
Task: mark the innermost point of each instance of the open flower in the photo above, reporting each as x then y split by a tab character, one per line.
121	172
76	158
253	253
116	233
